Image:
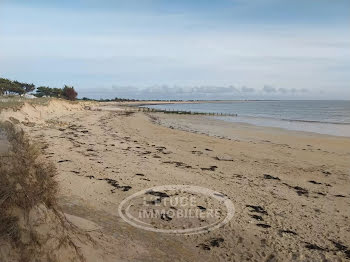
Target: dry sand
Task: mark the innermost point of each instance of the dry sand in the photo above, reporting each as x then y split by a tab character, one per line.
291	190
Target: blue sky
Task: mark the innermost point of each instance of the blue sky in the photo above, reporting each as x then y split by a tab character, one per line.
202	49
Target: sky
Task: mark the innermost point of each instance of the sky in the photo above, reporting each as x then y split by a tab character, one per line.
180	49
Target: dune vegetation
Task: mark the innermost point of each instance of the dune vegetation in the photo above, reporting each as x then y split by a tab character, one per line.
31	226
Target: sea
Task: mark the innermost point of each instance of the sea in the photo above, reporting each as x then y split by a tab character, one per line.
323	117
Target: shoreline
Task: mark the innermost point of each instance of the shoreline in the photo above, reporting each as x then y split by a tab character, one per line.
321	128
314	127
217	121
295	121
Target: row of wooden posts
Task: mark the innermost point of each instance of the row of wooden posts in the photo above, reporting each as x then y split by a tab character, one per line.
172	111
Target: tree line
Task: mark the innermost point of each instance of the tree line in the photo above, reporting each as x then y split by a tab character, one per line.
14	87
67	92
8	87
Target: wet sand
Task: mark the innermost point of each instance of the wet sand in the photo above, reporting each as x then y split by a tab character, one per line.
291	190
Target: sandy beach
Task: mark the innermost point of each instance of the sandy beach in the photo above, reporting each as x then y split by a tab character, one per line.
291	190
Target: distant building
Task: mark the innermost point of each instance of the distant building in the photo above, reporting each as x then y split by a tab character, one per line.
29	96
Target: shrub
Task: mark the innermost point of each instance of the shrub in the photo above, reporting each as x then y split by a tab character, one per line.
69	93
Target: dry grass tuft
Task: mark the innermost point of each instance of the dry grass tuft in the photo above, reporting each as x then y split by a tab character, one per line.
25	178
16	102
28	203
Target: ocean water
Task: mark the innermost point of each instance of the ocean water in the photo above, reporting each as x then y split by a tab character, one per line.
324	117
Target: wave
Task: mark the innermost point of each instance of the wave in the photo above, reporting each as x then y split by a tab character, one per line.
314	121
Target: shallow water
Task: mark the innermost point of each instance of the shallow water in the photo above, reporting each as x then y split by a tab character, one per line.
324	117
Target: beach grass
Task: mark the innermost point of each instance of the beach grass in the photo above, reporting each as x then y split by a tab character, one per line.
23	186
16	102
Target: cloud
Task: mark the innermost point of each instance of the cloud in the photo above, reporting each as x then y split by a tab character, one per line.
281	90
166	92
247	89
94	49
269	89
192	92
215	90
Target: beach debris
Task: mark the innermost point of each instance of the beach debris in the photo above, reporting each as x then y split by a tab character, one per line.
166	152
195	152
156	201
211	168
140	174
146	152
287	232
263	225
208	149
204	246
326	173
62	161
257	217
115	184
157	193
267	176
314	247
339	196
213	242
257	209
224	157
165	217
314	182
178	164
162	149
202	208
300	191
340	247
